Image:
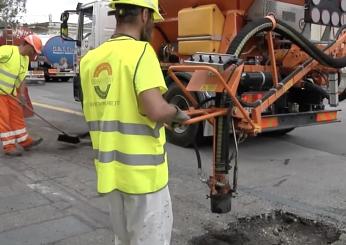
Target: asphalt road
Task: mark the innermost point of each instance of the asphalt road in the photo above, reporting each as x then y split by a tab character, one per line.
51	191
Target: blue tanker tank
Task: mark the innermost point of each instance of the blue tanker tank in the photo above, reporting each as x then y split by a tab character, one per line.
59	56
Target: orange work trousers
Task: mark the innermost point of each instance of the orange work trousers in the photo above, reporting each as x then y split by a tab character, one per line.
12	125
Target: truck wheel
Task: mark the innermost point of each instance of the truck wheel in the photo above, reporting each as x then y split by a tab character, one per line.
185	135
47	78
65	79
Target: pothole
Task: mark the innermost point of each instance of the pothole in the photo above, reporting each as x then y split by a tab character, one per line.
276	228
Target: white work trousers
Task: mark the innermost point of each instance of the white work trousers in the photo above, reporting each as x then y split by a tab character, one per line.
141	219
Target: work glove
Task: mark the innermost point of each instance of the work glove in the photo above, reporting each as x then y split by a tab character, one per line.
179	117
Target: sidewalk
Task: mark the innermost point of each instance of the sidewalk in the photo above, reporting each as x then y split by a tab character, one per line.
46	199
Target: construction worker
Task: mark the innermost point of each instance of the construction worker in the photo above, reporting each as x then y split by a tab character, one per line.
14	63
122	86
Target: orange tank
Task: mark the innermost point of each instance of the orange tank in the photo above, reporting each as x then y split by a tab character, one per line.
167	31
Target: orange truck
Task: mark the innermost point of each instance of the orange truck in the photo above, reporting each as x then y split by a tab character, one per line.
181	34
242	67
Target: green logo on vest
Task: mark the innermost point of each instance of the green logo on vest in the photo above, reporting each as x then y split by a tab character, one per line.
102	80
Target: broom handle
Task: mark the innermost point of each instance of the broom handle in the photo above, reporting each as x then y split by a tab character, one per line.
31	110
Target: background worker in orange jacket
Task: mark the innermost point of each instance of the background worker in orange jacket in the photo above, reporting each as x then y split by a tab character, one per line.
14	63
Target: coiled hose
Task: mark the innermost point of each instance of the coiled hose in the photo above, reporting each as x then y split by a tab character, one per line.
262	25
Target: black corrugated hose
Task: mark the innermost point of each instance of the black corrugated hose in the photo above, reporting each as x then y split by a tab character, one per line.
264	25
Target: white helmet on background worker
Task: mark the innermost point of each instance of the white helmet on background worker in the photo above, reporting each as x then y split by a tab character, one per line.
35	42
150	4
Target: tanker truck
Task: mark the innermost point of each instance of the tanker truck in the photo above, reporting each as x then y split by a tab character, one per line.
58	59
56	63
180	35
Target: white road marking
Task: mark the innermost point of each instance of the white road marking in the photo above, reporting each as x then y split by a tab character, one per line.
57	108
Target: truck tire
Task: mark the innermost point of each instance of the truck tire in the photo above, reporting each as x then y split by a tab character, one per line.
185	135
47	78
65	79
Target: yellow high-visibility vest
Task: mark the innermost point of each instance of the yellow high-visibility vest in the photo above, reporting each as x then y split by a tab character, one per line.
13	68
130	153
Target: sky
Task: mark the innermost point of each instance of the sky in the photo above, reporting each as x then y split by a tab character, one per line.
39	10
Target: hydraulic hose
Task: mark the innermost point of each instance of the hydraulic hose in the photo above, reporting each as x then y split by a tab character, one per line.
263	25
308	85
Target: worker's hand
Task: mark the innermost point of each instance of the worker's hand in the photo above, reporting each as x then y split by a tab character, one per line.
179	117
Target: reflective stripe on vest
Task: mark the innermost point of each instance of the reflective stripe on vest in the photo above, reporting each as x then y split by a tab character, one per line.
129	159
13	70
125	128
7	85
8	74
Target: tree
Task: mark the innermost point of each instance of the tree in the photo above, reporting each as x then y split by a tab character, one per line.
9	11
